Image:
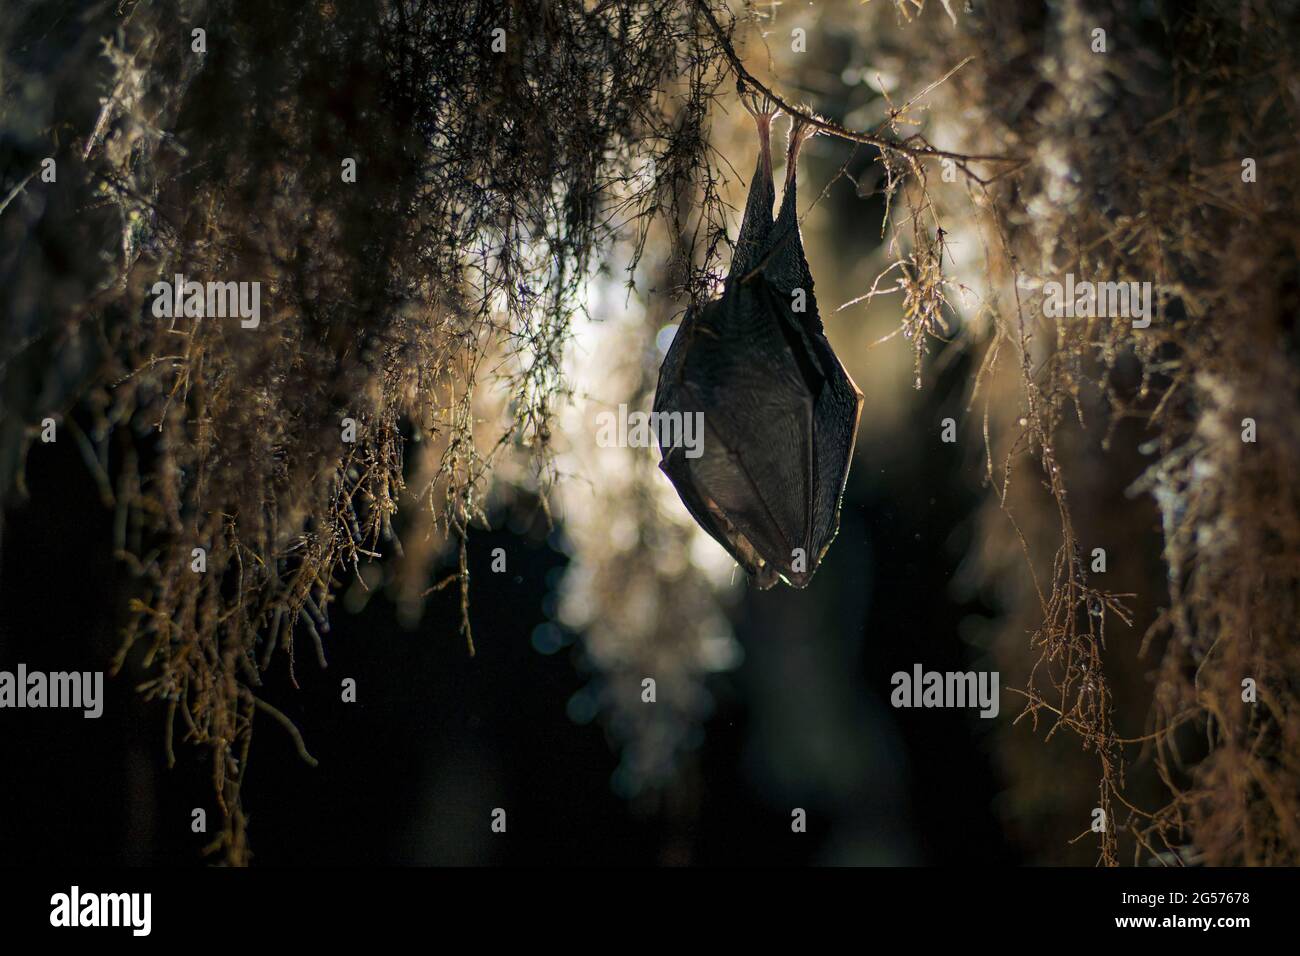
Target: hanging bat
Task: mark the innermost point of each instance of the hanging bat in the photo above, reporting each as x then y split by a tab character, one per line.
780	412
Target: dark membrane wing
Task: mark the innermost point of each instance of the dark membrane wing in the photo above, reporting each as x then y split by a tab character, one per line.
762	487
756	226
757	403
835	425
672	395
709	517
756	470
670	370
837	407
786	265
720	494
800	342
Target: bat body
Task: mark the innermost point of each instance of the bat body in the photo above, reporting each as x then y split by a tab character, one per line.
780	412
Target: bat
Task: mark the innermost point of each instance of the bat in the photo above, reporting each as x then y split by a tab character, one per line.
780	412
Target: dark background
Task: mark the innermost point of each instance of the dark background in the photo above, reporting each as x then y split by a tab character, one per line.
410	773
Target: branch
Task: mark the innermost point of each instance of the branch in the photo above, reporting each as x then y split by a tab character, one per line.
832	128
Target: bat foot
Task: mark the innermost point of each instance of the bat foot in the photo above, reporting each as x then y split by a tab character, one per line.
759	104
762	108
801	130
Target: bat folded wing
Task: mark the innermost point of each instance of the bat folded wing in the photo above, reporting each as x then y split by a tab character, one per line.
780	417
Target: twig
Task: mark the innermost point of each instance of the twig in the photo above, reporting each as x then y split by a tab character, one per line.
835	129
16	190
288	726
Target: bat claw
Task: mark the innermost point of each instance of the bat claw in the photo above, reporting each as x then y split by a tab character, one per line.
759	106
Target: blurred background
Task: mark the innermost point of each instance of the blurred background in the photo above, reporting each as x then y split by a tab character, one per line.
410	773
782	702
765	701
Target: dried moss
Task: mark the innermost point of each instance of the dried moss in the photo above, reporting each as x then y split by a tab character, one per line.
487	183
1134	162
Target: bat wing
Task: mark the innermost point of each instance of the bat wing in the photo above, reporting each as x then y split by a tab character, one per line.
836	416
780	412
675	394
838	400
837	410
786	265
752	487
756	226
